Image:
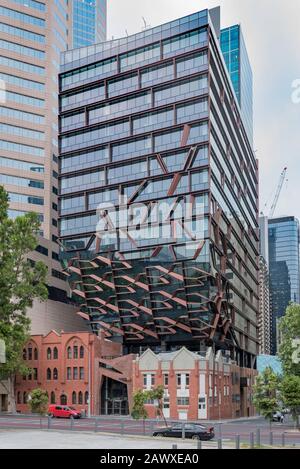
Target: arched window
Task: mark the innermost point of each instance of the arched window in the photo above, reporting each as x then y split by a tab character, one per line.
19	398
29	353
55	374
52	399
49	353
36	354
80	398
55	353
24	398
86	398
75	351
24	354
69	353
63	399
48	374
74	399
81	352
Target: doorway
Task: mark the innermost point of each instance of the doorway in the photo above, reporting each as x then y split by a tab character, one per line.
114	398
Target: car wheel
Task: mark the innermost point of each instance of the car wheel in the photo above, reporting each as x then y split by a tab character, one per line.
161	435
195	437
51	416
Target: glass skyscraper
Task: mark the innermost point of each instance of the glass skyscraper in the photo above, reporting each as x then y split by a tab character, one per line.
159	192
236	58
89	22
284	268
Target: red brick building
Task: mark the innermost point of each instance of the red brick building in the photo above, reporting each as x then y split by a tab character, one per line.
196	386
70	366
64	364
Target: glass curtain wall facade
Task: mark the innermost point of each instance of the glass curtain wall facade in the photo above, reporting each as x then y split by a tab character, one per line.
88	22
158	192
237	61
284	268
32	36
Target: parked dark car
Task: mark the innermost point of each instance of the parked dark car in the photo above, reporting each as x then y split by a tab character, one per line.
193	431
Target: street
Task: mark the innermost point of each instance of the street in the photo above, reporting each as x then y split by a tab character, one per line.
227	430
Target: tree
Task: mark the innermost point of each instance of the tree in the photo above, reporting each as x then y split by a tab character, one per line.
289	349
21	282
138	409
141	397
290	395
38	401
157	395
265	396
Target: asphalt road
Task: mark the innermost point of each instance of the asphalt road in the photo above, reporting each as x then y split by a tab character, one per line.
126	426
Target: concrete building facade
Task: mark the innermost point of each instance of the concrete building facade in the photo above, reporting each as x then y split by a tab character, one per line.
32	36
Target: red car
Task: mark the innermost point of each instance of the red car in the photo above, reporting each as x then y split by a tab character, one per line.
63	411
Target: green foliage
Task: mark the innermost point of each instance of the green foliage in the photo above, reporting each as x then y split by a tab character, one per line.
289	327
290	395
20	283
38	401
265	396
138	409
140	398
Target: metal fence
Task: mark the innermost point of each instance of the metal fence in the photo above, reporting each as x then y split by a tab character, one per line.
255	439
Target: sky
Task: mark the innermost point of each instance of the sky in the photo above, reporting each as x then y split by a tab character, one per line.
272	33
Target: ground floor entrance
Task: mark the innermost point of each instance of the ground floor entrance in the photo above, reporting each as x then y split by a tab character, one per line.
113	398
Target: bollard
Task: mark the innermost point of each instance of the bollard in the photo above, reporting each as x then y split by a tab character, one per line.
174	447
183	431
271	438
96	425
283	439
252	440
41	423
151	428
220	443
199	444
72	422
49	422
237	442
258	437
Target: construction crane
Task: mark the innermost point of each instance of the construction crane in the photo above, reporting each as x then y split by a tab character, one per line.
278	192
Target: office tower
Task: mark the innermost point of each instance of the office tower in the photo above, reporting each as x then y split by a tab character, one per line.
32	36
265	321
237	60
152	119
88	22
284	268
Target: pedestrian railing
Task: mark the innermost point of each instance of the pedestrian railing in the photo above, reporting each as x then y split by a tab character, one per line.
261	437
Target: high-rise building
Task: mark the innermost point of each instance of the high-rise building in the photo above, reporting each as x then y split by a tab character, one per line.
152	119
265	320
237	60
284	268
32	36
88	22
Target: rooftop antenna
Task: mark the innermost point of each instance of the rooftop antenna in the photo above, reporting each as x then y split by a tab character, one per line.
126	32
146	26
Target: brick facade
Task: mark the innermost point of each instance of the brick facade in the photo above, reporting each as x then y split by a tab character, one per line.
196	386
